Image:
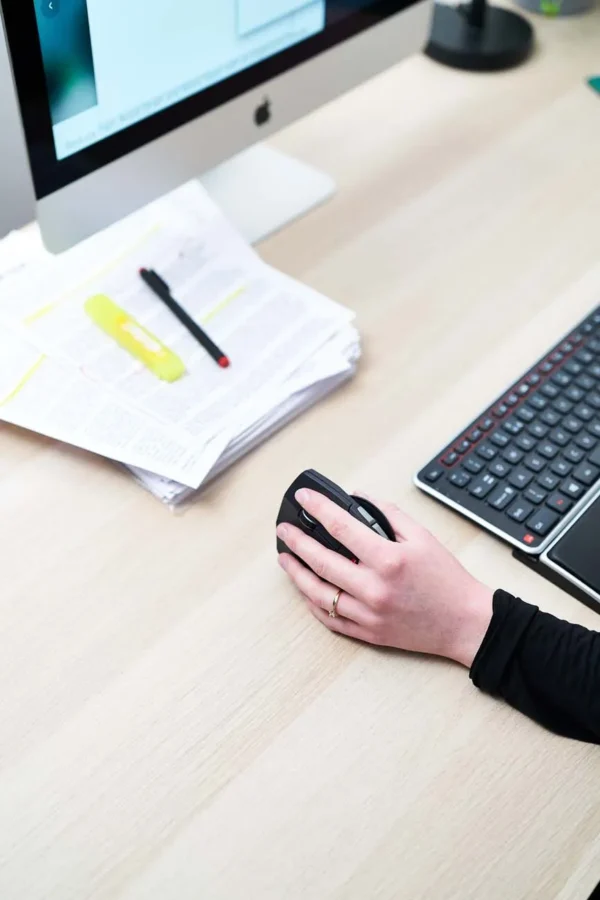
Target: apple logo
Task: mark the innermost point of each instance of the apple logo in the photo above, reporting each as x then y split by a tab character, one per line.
262	114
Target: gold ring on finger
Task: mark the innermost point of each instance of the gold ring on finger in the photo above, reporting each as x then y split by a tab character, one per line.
333	613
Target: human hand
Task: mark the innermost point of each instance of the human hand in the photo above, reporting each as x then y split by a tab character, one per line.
413	595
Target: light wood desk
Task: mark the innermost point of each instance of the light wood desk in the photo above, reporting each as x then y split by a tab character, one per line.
173	724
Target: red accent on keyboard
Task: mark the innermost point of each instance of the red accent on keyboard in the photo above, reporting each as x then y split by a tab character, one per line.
544	376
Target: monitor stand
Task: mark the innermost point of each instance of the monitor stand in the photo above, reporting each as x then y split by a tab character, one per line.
261	190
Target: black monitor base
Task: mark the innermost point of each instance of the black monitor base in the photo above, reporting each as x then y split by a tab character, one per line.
493	40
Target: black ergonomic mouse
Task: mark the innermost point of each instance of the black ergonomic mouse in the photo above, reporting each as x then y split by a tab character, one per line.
359	508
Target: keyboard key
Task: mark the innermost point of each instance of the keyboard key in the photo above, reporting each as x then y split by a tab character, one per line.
525	414
584	412
433	473
585	381
561	467
562	379
550	390
594	399
512	399
513	455
548	449
594	428
586	441
550	417
548	481
525	442
473	465
546	367
463	447
543	521
559	503
538	430
594	370
499	468
486	451
572	424
500	439
575	393
586	473
513	426
500	410
502	496
574	454
520	478
483	485
538	402
535	462
567	347
534	379
460	478
587	328
584	356
560	436
486	423
450	458
595	457
572	488
557	356
573	367
535	495
520	510
475	435
562	405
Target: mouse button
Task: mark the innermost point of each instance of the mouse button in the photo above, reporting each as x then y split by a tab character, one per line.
322	536
368	518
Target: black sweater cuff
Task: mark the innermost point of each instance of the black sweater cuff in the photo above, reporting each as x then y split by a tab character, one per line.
544	667
510	621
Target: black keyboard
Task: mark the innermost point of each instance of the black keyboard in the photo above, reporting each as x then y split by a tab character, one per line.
526	465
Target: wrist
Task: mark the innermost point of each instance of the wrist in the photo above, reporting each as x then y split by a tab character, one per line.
474	619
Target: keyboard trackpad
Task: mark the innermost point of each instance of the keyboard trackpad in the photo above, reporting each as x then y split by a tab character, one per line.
579	550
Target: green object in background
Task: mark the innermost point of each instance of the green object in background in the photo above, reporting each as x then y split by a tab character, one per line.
550	7
595	83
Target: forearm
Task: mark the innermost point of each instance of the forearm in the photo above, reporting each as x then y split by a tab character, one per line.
546	668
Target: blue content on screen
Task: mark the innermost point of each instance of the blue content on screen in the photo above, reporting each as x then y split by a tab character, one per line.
110	64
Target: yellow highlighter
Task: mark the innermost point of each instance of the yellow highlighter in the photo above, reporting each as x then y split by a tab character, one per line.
134	338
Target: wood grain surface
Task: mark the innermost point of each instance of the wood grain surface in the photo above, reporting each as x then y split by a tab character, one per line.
174	725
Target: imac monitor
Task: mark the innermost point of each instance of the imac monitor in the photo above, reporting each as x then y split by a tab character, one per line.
17	205
123	100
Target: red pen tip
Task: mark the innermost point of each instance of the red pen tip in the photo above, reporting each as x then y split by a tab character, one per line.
224	362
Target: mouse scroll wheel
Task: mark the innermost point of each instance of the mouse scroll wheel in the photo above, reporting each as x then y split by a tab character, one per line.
305	519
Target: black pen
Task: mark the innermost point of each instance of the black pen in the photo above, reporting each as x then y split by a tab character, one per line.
162	290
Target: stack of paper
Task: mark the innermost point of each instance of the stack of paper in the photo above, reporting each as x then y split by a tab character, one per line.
60	375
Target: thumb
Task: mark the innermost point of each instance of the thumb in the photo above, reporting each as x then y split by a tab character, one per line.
406	529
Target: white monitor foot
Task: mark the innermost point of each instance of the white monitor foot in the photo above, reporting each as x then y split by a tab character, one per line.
261	190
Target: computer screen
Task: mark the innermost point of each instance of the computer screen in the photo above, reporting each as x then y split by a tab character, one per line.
110	64
98	79
123	100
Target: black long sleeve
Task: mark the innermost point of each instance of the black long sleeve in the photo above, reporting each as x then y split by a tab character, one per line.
546	668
